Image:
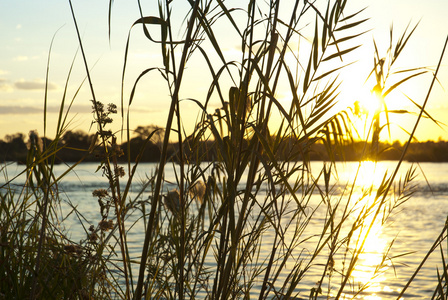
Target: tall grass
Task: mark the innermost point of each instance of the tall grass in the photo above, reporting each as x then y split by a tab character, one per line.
204	239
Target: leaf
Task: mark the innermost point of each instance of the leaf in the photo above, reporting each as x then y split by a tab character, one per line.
315	46
295	99
400	82
319	116
322	97
219	140
347	122
274	161
307	73
348	38
401	44
280	108
348	26
425	112
353	15
207	28
153	21
229	16
398	111
411	70
144	20
131	97
330	72
340	53
332	14
110	17
325	28
165	51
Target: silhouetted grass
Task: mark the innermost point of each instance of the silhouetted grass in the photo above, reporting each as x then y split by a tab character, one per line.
204	238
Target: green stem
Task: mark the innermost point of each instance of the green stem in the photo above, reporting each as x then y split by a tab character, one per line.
163	156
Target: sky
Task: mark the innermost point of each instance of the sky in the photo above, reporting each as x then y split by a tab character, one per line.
27	29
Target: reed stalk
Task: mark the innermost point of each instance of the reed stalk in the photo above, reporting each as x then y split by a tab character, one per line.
243	183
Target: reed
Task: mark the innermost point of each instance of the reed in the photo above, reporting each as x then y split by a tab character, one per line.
204	238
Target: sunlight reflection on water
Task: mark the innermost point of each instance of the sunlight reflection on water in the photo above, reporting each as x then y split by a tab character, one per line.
417	225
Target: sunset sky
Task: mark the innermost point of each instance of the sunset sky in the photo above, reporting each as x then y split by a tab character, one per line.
27	28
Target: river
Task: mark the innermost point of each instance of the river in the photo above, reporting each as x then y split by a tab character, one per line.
414	226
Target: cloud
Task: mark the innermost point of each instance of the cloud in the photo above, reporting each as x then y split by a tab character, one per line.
5	86
34	85
26	109
6	110
21	58
3	72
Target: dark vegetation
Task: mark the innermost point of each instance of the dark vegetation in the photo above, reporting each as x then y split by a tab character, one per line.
75	145
206	237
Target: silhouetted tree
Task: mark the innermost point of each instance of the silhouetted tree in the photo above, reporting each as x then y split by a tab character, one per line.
151	152
14	149
76	145
157	137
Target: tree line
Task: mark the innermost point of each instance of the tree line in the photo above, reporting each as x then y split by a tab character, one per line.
76	145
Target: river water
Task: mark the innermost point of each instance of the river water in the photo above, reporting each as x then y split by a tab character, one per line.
413	227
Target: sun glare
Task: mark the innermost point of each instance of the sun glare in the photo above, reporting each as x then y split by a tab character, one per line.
370	272
370	103
367	173
365	104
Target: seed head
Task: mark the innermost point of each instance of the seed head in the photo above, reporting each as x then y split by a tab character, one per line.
197	191
172	201
106	225
100	193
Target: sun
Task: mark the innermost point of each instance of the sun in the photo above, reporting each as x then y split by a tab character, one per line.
361	96
367	103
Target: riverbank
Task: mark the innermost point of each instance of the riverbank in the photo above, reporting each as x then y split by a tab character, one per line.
74	146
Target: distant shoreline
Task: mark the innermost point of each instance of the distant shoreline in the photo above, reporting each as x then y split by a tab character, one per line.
73	147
